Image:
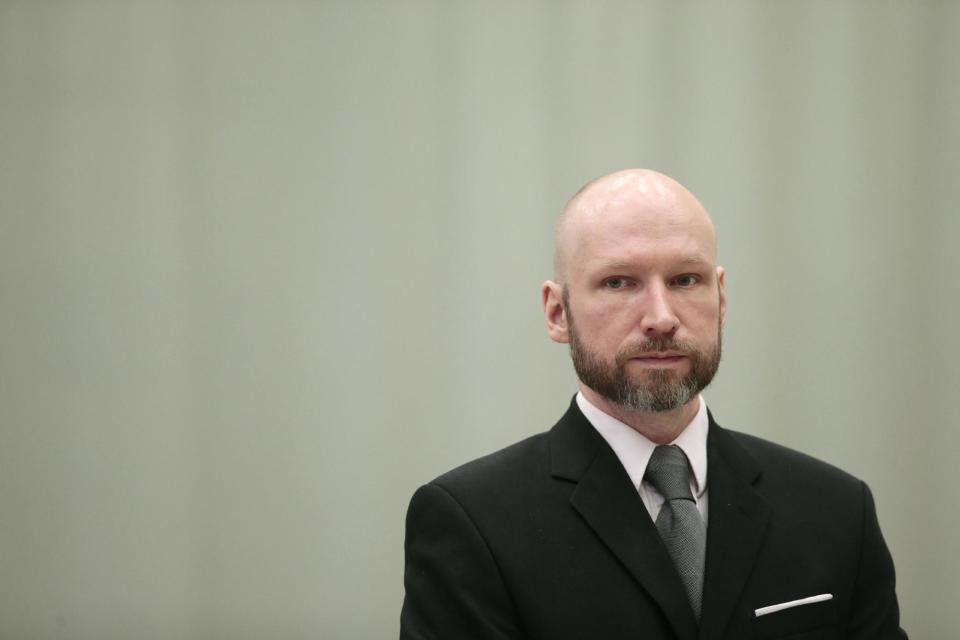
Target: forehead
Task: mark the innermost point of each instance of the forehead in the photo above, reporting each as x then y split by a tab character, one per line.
634	230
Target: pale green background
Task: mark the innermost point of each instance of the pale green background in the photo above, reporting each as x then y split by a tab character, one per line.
267	266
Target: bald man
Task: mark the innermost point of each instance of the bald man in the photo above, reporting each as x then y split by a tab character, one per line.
568	535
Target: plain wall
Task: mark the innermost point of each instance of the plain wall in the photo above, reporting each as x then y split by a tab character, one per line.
267	266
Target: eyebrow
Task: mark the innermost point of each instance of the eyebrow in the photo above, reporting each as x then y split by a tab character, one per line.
623	264
616	264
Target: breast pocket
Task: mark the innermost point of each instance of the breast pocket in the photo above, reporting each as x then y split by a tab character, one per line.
817	621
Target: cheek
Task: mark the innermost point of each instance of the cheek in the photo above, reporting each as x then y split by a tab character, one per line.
614	324
706	315
598	314
604	329
698	313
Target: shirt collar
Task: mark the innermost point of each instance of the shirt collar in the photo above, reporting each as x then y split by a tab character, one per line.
634	450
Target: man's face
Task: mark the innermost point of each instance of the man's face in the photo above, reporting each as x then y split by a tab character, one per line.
661	388
643	302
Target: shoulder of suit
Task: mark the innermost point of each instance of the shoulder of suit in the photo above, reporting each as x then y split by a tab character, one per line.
777	459
526	457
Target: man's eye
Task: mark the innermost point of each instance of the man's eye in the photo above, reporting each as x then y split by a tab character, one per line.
615	283
684	281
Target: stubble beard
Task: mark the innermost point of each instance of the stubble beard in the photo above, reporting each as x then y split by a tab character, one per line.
657	390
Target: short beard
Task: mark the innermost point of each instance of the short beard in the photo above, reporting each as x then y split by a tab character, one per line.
661	390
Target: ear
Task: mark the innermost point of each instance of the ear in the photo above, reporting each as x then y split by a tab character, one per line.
553	311
723	294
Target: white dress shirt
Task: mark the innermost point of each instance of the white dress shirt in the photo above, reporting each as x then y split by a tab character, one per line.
634	451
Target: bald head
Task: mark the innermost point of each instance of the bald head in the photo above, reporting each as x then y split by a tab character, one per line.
638	198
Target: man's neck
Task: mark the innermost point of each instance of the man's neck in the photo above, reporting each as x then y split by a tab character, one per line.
661	427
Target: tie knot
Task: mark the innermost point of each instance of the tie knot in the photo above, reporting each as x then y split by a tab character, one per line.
669	472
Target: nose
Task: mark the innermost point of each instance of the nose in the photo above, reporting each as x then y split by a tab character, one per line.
659	317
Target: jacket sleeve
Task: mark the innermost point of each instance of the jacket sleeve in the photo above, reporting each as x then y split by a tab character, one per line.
454	589
875	614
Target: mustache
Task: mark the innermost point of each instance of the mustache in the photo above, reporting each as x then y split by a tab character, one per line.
654	345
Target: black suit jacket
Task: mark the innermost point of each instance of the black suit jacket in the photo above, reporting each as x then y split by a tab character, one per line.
549	540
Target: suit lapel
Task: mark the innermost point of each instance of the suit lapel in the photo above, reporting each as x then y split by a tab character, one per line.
606	499
738	518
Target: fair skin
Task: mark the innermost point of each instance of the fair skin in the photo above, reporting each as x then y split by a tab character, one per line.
637	254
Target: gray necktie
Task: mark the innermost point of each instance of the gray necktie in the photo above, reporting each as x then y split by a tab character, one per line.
679	523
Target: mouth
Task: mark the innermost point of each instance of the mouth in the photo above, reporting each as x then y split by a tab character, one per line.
659	358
